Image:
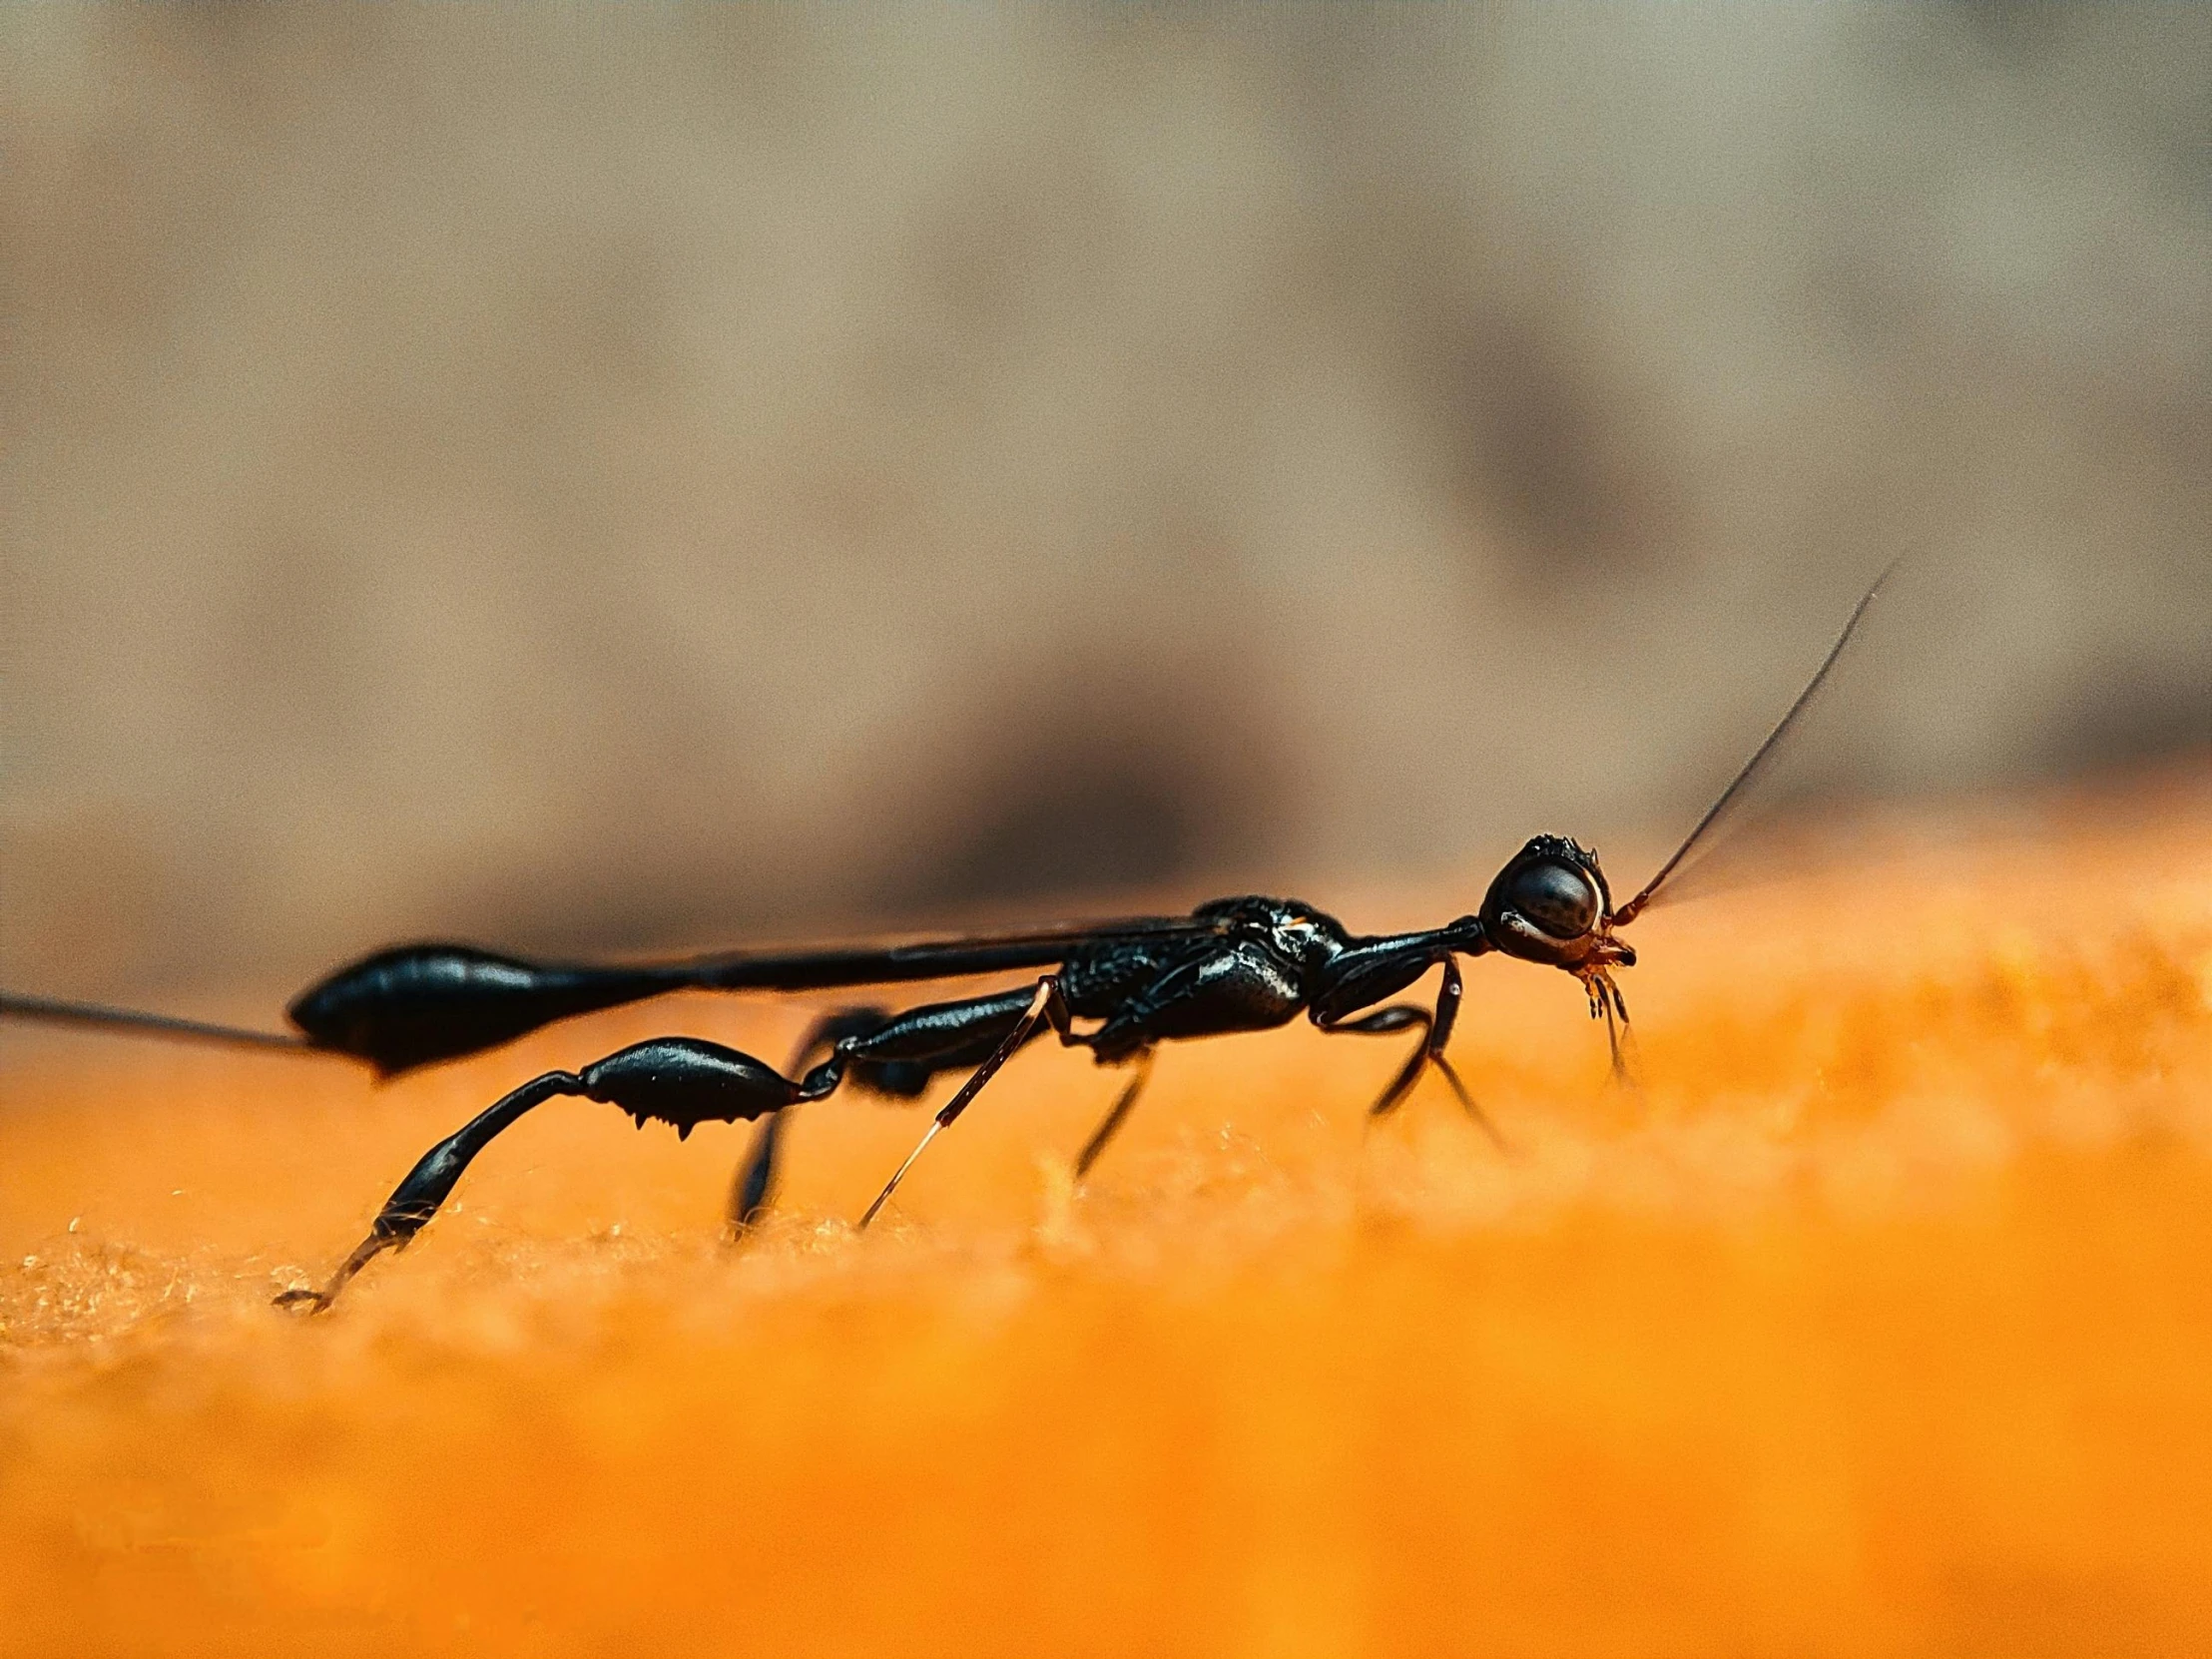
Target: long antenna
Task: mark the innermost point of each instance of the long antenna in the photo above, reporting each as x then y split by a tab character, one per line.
1627	912
103	1018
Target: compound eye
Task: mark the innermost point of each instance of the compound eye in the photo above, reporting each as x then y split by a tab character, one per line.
1557	898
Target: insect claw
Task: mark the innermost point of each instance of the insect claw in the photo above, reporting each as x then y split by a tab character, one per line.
1610	997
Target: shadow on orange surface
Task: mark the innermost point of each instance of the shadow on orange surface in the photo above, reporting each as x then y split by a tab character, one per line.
1876	1320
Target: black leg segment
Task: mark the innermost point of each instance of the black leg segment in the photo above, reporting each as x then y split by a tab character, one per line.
1385	1022
1436	1029
897	1056
753	1189
1110	1125
679	1082
1043	1004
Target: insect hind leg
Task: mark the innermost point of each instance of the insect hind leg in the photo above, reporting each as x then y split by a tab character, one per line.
679	1082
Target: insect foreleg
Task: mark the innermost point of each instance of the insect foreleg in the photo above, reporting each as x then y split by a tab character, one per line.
678	1080
1437	1027
1384	1022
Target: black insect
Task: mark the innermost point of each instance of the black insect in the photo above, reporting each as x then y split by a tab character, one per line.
1237	964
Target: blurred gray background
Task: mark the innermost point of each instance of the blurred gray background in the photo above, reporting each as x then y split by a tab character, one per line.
599	479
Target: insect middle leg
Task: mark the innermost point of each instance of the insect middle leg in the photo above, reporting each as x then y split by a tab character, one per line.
1039	1007
895	1056
753	1189
1110	1125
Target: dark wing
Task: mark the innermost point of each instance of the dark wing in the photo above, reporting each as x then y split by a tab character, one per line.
814	971
419	1003
1762	757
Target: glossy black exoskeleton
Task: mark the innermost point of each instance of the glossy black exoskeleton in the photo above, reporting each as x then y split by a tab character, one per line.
1237	964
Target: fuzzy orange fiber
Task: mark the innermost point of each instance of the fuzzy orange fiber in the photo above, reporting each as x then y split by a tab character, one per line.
1877	1320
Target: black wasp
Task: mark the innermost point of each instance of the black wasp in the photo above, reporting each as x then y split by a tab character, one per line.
1237	964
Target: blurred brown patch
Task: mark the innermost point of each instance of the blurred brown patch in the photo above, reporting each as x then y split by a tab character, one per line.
1103	779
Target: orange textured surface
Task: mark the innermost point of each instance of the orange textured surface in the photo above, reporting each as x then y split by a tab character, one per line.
1877	1320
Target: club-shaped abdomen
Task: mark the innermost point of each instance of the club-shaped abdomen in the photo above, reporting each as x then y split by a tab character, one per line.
421	1004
